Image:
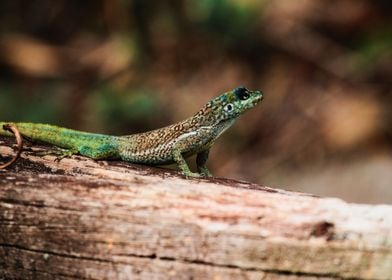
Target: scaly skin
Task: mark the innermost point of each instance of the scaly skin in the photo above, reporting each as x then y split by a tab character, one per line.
169	144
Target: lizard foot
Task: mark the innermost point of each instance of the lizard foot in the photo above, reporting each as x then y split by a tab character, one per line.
59	153
65	154
204	172
191	174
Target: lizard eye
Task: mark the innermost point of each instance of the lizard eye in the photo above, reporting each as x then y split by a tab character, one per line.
241	93
229	107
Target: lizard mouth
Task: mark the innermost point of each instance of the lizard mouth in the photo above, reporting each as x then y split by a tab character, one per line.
256	100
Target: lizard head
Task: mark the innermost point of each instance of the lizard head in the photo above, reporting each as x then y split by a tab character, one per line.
230	105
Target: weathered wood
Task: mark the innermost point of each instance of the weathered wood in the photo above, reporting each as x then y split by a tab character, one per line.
81	219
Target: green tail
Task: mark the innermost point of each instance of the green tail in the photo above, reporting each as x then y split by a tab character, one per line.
98	146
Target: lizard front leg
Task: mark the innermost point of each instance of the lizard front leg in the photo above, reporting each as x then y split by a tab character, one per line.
181	163
192	141
201	161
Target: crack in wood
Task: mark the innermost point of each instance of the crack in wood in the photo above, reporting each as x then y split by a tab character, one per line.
167	259
53	253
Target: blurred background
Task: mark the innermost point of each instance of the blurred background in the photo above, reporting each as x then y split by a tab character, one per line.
123	66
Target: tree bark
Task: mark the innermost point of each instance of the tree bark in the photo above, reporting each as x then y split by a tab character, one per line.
82	219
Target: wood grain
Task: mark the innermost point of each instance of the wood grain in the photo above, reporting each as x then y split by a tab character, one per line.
81	219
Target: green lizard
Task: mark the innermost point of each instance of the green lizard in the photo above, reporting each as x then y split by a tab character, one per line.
169	144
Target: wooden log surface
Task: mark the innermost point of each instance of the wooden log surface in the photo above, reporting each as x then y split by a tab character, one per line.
82	219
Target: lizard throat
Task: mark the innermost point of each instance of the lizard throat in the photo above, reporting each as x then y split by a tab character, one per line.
222	126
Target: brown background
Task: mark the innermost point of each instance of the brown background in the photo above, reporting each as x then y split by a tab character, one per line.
128	66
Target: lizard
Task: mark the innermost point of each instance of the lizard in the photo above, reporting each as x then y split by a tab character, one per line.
170	144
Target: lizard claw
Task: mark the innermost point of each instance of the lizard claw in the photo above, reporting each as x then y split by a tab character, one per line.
191	174
204	172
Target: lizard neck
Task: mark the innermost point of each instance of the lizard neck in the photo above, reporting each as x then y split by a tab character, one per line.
209	117
217	127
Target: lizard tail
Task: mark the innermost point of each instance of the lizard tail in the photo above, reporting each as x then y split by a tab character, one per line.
59	136
19	141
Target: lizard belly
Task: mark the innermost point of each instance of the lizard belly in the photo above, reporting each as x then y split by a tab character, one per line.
151	150
153	155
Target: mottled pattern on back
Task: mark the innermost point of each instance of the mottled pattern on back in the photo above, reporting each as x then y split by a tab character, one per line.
152	147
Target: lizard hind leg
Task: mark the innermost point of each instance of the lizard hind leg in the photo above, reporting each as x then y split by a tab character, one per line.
64	153
59	153
103	151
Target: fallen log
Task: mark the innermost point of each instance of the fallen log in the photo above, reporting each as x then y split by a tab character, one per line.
82	219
